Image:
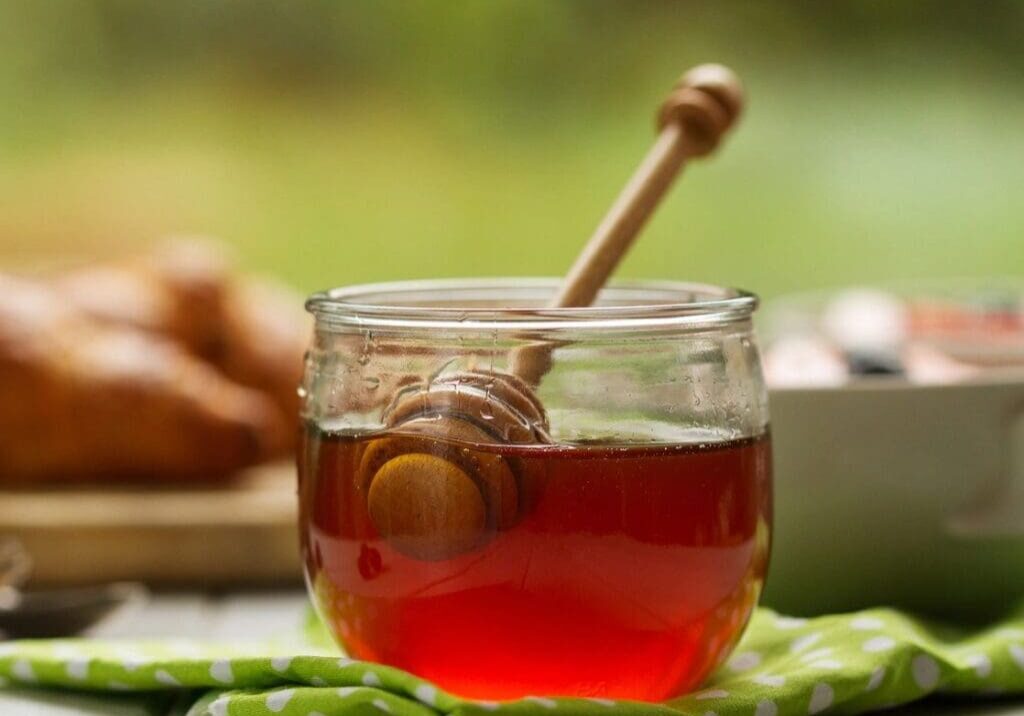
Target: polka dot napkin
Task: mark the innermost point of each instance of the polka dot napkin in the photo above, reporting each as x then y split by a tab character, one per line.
850	663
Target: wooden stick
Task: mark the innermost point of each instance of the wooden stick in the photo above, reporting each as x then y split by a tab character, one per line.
704	104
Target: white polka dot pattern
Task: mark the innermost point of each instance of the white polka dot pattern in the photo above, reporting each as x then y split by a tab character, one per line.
879	643
164	677
78	668
926	671
542	701
221	671
826	665
789	623
876	678
816	654
745	661
821	698
1017	654
804	642
711	694
427	694
277	700
866	623
22	671
981	664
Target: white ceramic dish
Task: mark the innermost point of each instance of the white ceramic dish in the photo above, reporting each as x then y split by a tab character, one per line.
889	493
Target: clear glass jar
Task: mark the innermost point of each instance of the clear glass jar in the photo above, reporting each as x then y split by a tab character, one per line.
597	525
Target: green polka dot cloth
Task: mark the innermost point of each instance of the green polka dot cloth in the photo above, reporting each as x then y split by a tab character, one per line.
851	663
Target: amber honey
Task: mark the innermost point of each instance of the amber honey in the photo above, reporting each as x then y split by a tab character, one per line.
629	572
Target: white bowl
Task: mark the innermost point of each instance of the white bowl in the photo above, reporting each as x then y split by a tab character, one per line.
889	493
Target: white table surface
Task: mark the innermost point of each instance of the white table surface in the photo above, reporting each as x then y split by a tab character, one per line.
261	615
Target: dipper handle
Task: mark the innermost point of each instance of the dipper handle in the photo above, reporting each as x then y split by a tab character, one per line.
704	104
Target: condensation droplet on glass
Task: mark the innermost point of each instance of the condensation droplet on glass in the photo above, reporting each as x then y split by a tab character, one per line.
485	410
364	354
371	382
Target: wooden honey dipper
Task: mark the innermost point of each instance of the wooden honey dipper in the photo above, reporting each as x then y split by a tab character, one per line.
433	499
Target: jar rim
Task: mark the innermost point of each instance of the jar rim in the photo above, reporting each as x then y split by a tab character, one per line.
519	304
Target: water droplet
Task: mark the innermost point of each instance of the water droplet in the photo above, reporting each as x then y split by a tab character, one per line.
371	382
486	411
364	354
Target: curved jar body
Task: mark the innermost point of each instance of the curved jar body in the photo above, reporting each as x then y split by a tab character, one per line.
596	525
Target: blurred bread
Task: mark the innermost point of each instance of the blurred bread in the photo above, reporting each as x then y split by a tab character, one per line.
83	399
264	336
252	330
175	291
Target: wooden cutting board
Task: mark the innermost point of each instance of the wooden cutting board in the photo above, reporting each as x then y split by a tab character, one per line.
242	533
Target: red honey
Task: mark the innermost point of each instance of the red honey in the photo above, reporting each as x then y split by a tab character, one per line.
630	572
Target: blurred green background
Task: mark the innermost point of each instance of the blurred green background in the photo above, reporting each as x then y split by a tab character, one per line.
334	142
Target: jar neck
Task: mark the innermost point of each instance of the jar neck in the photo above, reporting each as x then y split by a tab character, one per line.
518	306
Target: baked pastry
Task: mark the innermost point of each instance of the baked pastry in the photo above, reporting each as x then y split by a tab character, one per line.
252	330
176	291
86	399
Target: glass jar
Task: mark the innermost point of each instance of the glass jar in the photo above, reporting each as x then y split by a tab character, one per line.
508	499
